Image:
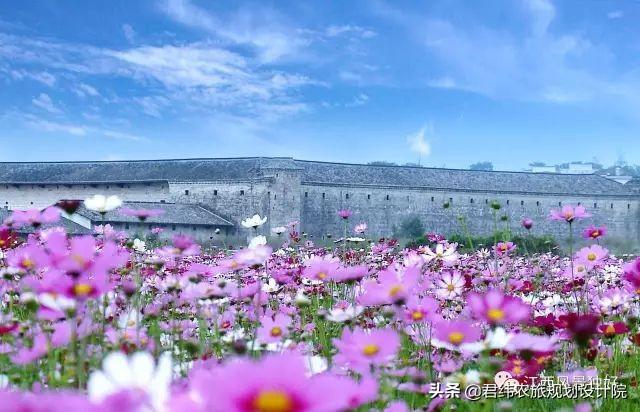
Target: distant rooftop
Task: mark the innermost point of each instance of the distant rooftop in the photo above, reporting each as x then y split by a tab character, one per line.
174	213
313	172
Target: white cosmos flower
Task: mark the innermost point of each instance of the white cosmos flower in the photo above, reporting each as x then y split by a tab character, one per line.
254	221
355	239
139	246
279	230
257	241
102	203
447	255
342	315
137	372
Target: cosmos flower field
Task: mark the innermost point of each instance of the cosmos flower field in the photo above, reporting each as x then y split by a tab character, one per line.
114	322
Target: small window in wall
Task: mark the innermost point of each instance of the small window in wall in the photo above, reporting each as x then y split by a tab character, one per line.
433	199
163	201
242	193
368	197
507	202
559	203
275	197
346	196
628	205
215	192
31	202
611	205
537	203
186	192
323	195
450	200
173	227
522	203
486	201
595	205
471	200
306	194
579	203
387	197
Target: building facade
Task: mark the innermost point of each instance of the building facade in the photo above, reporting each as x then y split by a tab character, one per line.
286	190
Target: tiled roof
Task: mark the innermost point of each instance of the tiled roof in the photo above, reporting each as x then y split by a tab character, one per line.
71	227
312	173
174	213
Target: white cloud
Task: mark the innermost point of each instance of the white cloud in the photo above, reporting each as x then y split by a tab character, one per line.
445	82
334	31
44	102
615	14
83	90
49	126
43	77
78	129
418	142
129	33
360	100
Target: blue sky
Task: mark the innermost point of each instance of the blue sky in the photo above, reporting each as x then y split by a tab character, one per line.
449	82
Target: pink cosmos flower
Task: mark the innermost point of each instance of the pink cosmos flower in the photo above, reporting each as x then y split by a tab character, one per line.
345	213
453	333
594	233
527	223
497	308
34	217
276	383
394	286
274	329
141	214
360	228
320	268
350	273
569	213
419	310
360	349
591	256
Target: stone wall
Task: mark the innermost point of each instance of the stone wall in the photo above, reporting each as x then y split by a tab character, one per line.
29	196
384	209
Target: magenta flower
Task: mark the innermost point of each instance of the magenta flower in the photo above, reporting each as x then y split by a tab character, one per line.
569	214
274	384
141	214
594	233
453	333
497	308
345	213
504	248
527	223
274	329
361	349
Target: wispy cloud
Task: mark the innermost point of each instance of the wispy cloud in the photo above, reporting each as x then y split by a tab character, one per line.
418	142
43	101
615	14
81	130
129	33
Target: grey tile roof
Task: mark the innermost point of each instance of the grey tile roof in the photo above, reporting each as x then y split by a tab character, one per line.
174	213
71	227
312	172
118	171
457	179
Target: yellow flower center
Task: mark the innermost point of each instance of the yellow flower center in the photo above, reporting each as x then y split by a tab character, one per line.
517	370
451	287
82	289
395	290
322	275
370	349
276	331
595	233
27	263
78	259
495	314
456	337
568	215
273	401
610	330
417	315
592	256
